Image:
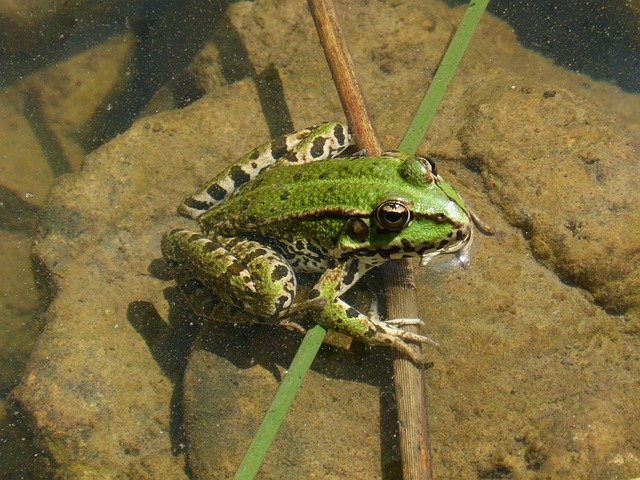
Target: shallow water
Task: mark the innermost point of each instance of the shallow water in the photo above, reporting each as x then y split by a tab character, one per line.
540	336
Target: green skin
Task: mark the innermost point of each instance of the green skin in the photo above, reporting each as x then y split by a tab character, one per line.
289	206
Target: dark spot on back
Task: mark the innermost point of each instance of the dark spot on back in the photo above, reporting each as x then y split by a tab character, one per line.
313	249
297	177
313	293
279	147
235	269
352	312
351	274
209	247
317	149
239	176
216	192
279	273
197	204
284	195
442	243
280	302
338	132
258	252
232	243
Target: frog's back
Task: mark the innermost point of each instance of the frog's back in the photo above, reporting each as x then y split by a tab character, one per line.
332	189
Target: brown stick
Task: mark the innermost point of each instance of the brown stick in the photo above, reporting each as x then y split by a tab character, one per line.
400	286
409	379
344	76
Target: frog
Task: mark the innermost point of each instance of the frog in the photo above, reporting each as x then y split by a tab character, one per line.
300	204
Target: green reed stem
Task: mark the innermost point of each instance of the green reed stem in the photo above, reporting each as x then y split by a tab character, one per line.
432	98
281	403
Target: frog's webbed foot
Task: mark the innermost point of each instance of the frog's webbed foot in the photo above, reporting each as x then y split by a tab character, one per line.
393	327
399	339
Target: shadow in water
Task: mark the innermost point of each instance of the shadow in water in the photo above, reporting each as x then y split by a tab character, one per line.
169	343
247	345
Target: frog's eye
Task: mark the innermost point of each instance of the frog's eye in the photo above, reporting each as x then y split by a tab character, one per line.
393	215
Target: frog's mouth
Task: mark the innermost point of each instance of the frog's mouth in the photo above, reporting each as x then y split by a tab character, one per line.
461	248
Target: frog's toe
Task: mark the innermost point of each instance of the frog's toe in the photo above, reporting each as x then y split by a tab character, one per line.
393	330
300	308
415	354
292	326
403	322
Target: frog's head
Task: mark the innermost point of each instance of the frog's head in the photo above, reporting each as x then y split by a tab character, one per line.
420	215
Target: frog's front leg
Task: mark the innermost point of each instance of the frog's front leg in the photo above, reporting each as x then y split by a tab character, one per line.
244	274
319	142
340	316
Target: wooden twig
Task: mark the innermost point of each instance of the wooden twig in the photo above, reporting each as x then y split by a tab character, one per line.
401	297
344	77
409	380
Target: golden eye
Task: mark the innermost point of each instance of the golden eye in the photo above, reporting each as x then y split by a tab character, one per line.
393	215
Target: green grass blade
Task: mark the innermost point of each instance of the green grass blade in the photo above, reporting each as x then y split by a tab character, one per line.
281	403
432	98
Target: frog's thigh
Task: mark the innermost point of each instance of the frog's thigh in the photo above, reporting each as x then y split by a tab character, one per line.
241	272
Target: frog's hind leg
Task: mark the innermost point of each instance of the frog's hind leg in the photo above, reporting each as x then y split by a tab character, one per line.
250	277
318	142
205	304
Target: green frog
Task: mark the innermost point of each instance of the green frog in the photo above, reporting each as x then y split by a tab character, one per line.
294	205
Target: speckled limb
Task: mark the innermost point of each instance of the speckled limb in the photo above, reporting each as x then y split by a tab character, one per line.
240	272
340	316
319	142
